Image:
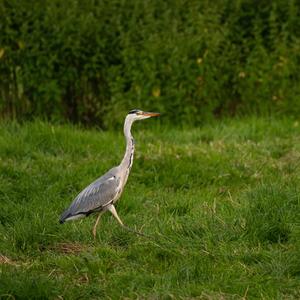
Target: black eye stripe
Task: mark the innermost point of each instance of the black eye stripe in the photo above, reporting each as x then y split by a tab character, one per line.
134	111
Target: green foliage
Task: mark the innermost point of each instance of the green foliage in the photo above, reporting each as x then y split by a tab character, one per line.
92	61
220	204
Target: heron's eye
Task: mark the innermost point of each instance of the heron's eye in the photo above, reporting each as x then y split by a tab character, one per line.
134	111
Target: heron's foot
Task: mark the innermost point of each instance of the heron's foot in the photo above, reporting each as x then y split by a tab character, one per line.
112	209
94	231
135	231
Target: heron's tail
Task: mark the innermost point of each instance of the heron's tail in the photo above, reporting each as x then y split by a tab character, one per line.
64	216
67	216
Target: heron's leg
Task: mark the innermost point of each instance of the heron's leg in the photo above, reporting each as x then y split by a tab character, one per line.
112	209
95	226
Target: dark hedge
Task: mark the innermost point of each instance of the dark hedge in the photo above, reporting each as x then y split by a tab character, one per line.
91	61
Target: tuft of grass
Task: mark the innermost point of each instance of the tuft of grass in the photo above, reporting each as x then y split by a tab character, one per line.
220	205
272	212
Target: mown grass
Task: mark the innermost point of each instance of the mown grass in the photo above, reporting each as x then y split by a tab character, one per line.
220	203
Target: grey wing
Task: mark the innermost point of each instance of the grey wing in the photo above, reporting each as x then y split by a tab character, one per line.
94	197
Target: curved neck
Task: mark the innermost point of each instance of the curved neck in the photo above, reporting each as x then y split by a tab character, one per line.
128	157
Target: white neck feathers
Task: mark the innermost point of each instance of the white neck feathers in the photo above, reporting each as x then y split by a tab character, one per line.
128	157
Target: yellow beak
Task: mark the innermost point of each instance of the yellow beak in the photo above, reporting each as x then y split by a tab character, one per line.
151	114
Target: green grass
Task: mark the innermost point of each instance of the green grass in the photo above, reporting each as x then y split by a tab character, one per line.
220	202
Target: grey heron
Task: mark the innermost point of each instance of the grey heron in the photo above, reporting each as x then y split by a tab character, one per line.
102	194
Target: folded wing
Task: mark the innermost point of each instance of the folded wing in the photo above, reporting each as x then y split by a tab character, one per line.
94	197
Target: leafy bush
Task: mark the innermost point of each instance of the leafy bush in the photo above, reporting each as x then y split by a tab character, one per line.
92	61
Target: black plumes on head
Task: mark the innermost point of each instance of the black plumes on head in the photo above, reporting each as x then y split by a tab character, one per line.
134	111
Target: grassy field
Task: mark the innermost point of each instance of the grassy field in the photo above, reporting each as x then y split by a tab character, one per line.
221	204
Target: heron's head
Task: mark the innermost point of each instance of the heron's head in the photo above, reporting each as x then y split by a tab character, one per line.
137	114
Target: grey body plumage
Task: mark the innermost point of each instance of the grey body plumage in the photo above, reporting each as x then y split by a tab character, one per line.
94	197
102	194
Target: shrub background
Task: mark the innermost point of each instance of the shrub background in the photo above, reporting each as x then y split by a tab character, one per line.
90	61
